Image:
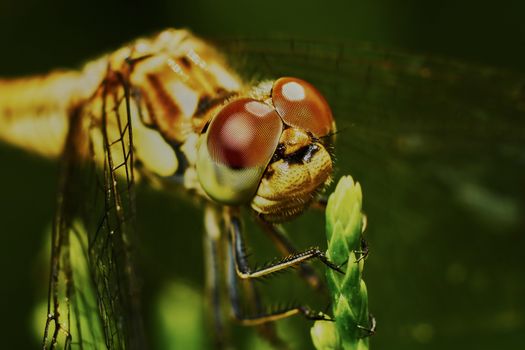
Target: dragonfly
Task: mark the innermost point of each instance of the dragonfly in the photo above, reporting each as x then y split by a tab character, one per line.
401	106
169	110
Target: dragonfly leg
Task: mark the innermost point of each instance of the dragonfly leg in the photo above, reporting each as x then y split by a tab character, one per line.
245	272
266	330
371	329
286	247
261	318
212	254
320	203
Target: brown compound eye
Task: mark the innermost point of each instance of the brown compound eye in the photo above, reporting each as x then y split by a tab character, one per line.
244	134
300	104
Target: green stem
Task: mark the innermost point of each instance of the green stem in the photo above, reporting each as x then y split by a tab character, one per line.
345	224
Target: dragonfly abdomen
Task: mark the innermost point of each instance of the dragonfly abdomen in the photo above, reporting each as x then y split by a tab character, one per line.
34	111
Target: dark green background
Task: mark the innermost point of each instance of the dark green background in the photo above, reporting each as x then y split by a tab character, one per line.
441	161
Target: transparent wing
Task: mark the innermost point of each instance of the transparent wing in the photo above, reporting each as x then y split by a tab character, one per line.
93	298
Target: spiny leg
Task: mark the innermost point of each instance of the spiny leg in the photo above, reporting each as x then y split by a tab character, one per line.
244	271
238	267
286	247
266	330
214	254
259	318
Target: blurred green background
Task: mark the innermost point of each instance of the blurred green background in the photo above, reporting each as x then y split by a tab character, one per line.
438	146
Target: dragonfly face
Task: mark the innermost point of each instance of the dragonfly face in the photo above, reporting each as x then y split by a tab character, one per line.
268	151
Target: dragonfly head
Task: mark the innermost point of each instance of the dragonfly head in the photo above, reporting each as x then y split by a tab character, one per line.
268	149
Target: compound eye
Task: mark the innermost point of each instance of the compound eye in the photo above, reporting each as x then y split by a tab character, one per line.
244	134
300	104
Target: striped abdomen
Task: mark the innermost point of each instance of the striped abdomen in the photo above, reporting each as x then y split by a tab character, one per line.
34	111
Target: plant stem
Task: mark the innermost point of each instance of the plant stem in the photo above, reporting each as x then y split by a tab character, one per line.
345	224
